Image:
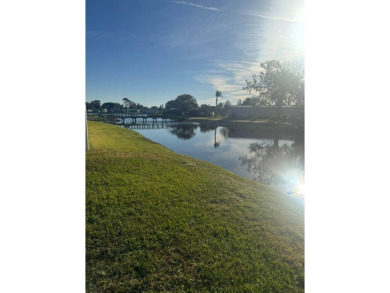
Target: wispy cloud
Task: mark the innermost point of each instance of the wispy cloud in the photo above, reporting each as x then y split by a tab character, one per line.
232	80
253	35
277	18
195	5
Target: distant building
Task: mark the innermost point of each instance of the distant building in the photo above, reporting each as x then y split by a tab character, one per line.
263	112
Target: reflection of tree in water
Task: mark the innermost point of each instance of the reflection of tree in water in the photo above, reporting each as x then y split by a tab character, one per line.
225	132
216	144
205	127
183	131
273	164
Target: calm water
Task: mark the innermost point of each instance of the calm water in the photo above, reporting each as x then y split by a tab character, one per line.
271	159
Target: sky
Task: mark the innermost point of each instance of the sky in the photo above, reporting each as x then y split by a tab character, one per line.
151	51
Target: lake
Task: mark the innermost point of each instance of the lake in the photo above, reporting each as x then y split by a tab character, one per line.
271	158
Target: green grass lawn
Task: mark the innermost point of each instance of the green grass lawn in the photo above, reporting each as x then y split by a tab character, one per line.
254	120
157	221
220	118
212	118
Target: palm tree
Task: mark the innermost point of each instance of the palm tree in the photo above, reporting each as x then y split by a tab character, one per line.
217	95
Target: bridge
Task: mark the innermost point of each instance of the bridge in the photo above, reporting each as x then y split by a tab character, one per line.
146	125
121	116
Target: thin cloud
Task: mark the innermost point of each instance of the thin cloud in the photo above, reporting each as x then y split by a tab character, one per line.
195	5
231	82
277	18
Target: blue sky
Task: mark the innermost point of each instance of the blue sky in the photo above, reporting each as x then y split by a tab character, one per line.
151	51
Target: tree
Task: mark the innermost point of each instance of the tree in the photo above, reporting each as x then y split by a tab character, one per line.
218	94
95	105
205	110
128	103
172	104
254	101
300	95
125	102
112	107
226	107
218	109
279	83
139	106
184	103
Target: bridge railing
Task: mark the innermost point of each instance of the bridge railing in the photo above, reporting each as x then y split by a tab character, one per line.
137	115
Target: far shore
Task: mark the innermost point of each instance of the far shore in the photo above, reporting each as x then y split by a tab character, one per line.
270	125
267	125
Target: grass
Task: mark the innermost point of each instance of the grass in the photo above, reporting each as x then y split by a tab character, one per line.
254	120
212	118
222	118
157	221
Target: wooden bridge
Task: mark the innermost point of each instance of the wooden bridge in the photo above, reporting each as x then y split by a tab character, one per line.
121	116
146	125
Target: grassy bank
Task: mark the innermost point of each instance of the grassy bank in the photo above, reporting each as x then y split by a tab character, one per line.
157	221
211	118
222	118
264	126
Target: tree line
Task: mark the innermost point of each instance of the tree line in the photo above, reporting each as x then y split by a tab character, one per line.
184	105
277	84
127	105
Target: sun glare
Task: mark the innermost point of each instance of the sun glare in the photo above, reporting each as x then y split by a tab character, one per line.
295	183
300	189
297	34
299	38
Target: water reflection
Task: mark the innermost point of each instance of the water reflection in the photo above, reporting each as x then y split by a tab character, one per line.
271	158
204	127
280	165
225	132
183	131
216	144
187	131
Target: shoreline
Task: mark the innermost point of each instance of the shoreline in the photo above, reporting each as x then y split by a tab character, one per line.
160	221
287	129
247	123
